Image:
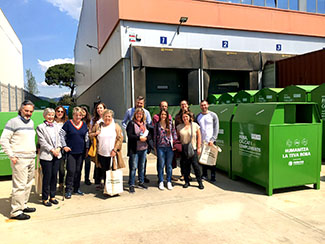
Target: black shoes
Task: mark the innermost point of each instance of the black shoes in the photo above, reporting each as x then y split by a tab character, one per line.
131	189
143	186
146	180
87	182
68	195
47	203
54	201
78	192
204	177
186	185
29	210
201	186
21	216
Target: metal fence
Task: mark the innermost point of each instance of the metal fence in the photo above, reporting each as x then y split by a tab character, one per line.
10	97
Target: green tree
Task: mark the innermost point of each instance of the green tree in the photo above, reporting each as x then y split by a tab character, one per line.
61	75
67	100
31	85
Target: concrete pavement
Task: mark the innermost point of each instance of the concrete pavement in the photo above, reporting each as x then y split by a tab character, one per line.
225	212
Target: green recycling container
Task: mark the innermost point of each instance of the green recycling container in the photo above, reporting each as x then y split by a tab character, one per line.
213	98
277	145
37	117
245	96
227	98
295	93
317	95
267	95
225	114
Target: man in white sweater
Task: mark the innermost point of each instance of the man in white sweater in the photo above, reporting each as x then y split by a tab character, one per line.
18	142
209	126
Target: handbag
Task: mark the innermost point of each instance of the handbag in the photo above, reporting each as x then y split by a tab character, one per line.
114	181
188	148
38	177
93	148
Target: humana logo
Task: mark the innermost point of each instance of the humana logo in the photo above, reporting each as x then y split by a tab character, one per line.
301	149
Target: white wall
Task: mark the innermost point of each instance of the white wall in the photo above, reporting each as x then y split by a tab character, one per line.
11	55
92	65
209	38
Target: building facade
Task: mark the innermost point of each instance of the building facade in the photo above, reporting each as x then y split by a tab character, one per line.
183	49
11	67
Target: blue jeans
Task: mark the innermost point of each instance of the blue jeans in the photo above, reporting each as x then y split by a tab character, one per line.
137	161
165	157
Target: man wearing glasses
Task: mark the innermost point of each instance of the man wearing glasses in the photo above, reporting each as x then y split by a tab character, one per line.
18	142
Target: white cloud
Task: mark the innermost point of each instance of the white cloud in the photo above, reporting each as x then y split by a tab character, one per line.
46	64
43	84
71	7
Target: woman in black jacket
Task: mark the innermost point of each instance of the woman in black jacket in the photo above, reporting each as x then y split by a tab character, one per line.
139	142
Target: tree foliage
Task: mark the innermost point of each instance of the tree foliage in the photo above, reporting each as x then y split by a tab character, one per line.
61	75
67	100
31	85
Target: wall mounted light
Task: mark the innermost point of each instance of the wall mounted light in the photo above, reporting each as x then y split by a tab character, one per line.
91	46
181	21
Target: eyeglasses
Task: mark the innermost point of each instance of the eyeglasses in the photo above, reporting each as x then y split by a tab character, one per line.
60	111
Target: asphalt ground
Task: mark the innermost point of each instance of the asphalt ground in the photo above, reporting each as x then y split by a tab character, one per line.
224	212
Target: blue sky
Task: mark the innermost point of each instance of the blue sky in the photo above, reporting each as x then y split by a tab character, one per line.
47	30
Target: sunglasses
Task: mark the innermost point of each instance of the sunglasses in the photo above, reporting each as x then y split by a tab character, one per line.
60	111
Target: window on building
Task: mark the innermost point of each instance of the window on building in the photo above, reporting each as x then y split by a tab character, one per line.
311	6
270	3
321	6
293	4
283	4
259	2
247	1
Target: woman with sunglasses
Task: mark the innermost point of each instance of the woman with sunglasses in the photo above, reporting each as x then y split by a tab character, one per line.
60	118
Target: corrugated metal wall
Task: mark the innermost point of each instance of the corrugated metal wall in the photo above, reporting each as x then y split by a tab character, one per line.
307	69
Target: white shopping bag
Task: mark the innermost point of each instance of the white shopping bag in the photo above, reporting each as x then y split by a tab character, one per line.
114	182
209	154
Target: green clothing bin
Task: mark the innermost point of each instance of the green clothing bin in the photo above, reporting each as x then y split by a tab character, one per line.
267	95
295	93
317	95
225	114
245	96
213	98
227	98
37	117
277	145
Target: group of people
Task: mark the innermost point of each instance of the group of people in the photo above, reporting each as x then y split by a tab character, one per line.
63	147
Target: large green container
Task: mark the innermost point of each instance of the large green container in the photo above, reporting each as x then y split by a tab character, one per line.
246	96
214	98
267	95
37	117
227	98
225	114
317	95
295	93
277	145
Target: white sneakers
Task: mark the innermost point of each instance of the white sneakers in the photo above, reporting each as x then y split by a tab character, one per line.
161	186
169	186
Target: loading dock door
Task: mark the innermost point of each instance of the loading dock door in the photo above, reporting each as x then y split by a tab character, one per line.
166	84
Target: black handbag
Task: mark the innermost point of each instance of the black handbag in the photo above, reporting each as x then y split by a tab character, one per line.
188	148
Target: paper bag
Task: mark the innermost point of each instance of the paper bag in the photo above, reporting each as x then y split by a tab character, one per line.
38	177
209	155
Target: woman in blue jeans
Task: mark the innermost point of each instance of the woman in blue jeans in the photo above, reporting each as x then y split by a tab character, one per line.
138	139
164	136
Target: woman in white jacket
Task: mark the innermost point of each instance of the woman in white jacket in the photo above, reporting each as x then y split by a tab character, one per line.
50	154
